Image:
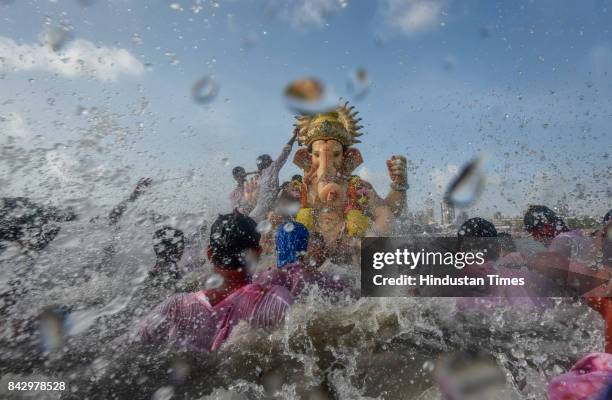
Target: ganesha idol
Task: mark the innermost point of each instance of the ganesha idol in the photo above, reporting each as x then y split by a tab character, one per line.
336	205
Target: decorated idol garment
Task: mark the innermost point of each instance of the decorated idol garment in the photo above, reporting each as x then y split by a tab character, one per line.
334	202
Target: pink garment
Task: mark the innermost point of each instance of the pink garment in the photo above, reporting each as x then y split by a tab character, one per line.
296	278
504	296
185	320
574	245
587	379
188	320
262	306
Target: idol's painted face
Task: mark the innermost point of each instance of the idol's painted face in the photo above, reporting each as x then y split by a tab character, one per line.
327	157
326	172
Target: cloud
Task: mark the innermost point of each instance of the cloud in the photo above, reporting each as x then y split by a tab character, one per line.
78	58
305	14
413	16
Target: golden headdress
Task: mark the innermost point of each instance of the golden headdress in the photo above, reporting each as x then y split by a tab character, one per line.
340	125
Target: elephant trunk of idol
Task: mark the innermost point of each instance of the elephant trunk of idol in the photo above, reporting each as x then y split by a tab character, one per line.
330	194
328	182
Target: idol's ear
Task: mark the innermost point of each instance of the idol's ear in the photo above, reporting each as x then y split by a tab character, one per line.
352	159
302	159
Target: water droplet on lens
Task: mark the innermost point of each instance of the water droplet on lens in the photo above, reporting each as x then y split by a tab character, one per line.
51	325
428	366
272	381
58	37
465	188
204	90
163	393
358	84
288	227
308	95
82	111
264	226
517	353
180	370
292	209
136	39
307	89
213	282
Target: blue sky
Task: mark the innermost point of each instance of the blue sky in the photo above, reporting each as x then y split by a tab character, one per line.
526	83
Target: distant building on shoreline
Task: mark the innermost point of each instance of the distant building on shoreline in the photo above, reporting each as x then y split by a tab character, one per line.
507	224
447	213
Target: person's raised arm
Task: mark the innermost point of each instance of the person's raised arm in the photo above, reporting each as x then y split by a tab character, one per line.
284	155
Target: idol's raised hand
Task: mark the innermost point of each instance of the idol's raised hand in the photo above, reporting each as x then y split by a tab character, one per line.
398	172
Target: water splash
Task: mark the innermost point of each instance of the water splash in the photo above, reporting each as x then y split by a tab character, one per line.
82	320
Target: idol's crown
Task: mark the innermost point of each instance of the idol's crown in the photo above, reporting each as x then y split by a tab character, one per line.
340	125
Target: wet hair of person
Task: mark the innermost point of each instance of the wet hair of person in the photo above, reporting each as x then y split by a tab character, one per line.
607	217
537	216
230	236
263	162
473	234
239	174
477	227
168	244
